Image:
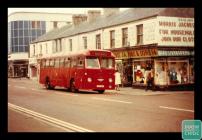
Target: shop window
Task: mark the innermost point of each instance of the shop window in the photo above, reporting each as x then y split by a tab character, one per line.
139	34
98	42
125	37
141	71
178	72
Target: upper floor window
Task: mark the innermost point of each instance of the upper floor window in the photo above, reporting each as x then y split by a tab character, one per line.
112	39
40	49
124	36
140	34
46	48
85	42
70	44
35	24
98	41
55	24
34	50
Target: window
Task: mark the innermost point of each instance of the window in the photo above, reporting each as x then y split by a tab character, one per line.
57	63
47	63
124	37
20	24
52	63
61	62
80	62
107	63
112	39
55	24
35	24
98	42
34	50
43	63
85	42
60	45
70	44
92	63
67	62
40	49
25	24
38	24
46	48
140	34
73	62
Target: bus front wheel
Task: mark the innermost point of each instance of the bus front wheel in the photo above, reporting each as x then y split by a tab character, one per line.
73	87
101	91
48	85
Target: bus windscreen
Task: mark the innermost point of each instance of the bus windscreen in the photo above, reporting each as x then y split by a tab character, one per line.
92	63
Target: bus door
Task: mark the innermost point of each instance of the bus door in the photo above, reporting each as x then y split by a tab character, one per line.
67	66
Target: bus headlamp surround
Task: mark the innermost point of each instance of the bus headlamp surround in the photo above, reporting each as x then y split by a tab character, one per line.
110	80
89	79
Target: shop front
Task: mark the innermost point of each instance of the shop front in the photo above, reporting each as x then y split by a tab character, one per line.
170	66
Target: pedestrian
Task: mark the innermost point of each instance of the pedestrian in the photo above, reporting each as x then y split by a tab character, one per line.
117	80
150	81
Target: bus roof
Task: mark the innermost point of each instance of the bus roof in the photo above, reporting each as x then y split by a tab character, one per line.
105	53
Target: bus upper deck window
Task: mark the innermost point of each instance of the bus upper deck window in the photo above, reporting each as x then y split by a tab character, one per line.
92	63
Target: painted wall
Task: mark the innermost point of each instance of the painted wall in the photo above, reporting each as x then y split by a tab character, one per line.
174	31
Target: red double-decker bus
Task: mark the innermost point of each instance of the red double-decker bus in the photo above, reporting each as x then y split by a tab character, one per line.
87	70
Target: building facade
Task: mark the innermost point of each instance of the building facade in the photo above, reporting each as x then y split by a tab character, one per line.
142	39
23	28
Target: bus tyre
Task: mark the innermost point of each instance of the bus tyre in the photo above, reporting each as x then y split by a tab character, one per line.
48	85
101	91
72	86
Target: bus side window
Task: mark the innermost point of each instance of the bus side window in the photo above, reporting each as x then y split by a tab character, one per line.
56	63
61	62
47	63
43	63
73	62
66	63
80	63
52	63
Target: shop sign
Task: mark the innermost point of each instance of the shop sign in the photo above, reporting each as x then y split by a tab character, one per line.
136	53
174	53
175	31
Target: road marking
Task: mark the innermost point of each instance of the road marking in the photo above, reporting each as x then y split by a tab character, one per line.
67	130
173	108
65	94
50	119
112	100
20	87
38	90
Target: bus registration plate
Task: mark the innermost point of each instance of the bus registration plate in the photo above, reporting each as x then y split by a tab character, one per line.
100	86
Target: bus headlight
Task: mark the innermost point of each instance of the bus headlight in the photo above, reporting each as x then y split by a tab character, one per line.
110	80
89	80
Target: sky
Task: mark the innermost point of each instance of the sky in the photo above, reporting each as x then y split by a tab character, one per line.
55	10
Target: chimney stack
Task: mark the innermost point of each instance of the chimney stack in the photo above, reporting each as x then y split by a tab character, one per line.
78	19
110	11
93	14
